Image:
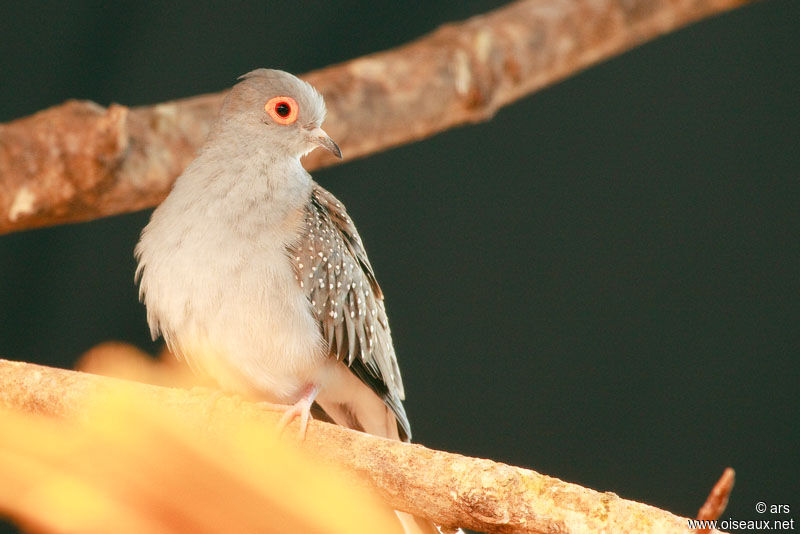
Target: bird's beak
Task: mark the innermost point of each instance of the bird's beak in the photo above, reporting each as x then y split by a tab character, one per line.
318	137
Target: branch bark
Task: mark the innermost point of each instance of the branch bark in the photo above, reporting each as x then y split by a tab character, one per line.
80	161
717	500
447	488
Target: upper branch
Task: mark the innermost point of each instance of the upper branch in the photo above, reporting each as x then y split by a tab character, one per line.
80	161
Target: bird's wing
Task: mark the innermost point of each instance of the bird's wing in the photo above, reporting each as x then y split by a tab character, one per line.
333	269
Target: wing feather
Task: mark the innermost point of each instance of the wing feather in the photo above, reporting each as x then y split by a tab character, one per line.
333	268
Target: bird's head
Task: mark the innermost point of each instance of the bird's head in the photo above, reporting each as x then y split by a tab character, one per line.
280	109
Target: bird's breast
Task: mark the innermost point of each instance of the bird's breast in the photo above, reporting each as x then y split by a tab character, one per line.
225	296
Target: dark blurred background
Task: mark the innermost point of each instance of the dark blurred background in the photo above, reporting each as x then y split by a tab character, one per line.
601	283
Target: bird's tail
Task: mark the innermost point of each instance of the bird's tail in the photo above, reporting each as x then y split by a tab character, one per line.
361	409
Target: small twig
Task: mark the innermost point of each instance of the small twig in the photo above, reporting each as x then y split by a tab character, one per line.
718	499
79	161
447	488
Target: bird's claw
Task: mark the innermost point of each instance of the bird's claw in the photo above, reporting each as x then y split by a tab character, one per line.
300	409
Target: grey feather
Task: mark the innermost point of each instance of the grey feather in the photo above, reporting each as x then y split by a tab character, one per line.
353	318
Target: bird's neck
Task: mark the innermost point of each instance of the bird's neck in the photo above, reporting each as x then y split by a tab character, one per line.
237	181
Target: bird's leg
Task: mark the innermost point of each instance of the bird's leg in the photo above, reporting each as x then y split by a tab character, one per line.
301	409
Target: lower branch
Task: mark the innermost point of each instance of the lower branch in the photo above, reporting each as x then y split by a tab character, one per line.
449	489
717	500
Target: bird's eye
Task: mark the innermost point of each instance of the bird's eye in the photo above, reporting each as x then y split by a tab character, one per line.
282	109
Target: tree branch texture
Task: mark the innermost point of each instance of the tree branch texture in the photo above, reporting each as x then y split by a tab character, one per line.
79	161
447	488
717	500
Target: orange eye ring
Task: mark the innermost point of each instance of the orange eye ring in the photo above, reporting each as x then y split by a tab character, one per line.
282	109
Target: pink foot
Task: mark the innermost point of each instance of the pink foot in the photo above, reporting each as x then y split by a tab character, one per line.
301	409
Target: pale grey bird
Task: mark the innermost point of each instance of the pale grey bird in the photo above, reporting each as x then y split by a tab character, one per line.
255	274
